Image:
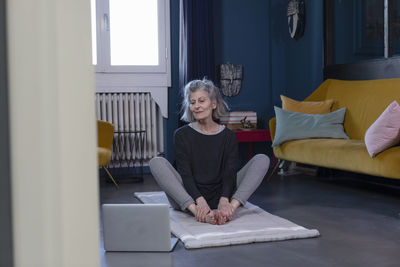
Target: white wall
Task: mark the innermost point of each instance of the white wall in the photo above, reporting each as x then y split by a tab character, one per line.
53	135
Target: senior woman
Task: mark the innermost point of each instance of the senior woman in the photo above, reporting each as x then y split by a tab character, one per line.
206	181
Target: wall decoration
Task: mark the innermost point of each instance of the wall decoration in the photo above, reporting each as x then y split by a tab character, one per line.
296	18
231	79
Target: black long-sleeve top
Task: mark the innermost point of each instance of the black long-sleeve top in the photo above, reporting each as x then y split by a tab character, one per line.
207	163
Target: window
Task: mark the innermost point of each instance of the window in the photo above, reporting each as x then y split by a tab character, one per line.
357	30
131	38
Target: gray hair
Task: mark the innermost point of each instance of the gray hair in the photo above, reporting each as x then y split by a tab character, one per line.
213	93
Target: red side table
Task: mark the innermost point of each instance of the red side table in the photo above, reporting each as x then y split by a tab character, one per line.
253	135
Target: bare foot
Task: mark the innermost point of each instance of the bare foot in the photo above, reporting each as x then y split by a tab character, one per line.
220	218
224	219
211	218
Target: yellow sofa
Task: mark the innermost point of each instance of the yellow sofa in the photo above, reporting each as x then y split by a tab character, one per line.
364	102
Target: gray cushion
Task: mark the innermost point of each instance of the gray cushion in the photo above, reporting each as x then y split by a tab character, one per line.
294	125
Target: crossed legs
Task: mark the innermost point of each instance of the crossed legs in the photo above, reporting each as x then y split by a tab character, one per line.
250	177
248	180
170	182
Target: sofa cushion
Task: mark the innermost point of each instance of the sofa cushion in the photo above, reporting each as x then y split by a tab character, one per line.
294	125
364	101
385	131
309	107
349	155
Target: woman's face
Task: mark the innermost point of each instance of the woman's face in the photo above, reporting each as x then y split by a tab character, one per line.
201	105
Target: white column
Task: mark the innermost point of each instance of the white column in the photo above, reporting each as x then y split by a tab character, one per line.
53	134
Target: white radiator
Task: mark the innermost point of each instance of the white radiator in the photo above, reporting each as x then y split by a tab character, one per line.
138	126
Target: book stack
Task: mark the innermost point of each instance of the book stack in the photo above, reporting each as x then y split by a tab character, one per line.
240	119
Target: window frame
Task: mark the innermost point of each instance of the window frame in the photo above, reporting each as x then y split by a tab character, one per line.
133	75
329	47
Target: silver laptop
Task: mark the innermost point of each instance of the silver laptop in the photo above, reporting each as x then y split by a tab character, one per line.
137	227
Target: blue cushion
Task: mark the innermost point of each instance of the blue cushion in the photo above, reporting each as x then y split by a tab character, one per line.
294	125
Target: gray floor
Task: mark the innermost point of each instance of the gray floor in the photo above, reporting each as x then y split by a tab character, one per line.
359	224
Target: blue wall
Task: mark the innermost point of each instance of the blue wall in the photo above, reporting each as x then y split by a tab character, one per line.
296	65
242	37
255	34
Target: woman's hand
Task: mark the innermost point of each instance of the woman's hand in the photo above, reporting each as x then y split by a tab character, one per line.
202	209
226	210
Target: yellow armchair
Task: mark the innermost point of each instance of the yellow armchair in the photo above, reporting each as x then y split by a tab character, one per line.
105	136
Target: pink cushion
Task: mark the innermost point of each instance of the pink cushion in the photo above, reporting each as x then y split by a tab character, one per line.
385	131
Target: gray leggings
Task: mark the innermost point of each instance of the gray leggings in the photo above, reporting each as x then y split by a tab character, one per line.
170	181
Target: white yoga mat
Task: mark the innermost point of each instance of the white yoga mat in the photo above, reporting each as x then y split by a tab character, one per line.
250	224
